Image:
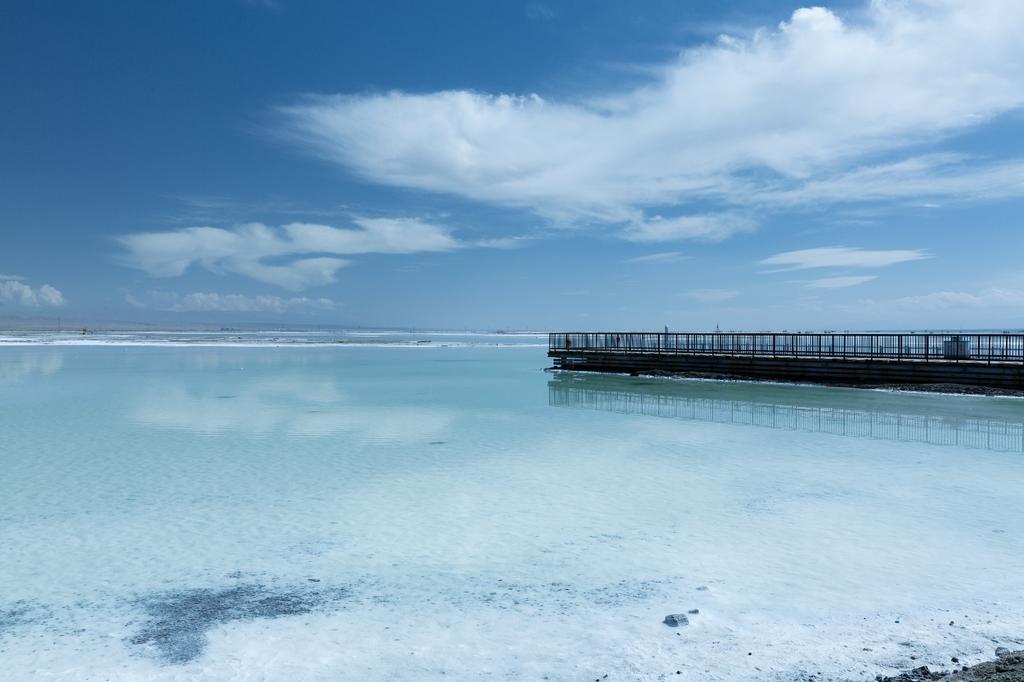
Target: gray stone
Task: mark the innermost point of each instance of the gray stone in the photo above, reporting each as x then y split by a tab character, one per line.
674	620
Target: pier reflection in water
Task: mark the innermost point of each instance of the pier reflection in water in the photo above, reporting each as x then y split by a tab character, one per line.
995	424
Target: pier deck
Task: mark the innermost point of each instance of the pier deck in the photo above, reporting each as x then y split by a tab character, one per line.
985	360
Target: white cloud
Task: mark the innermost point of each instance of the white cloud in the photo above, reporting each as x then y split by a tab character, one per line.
842	256
217	302
295	256
14	290
840	282
712	295
778	117
663	257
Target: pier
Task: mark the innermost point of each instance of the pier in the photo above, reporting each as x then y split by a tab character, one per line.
860	359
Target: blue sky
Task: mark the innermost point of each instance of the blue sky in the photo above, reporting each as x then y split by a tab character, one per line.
514	165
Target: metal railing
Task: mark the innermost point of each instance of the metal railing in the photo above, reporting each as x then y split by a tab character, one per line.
948	347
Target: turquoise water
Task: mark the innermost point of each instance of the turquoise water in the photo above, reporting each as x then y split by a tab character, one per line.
282	513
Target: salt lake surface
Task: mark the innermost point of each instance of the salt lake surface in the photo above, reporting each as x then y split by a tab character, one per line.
306	513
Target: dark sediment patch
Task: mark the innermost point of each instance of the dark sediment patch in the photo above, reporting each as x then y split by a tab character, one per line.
20	613
178	621
1008	666
961	389
624	592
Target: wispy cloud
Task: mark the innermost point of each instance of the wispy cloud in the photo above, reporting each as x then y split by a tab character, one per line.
538	11
990	307
840	282
945	176
218	302
295	256
268	4
14	290
941	300
712	295
726	124
500	242
663	257
710	227
841	256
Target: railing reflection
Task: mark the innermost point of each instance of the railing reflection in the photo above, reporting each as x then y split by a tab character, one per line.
996	425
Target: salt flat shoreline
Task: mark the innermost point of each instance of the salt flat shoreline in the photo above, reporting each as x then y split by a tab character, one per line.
73	343
272	339
1007	666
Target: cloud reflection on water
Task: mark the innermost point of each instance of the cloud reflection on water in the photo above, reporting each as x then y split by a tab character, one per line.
20	366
